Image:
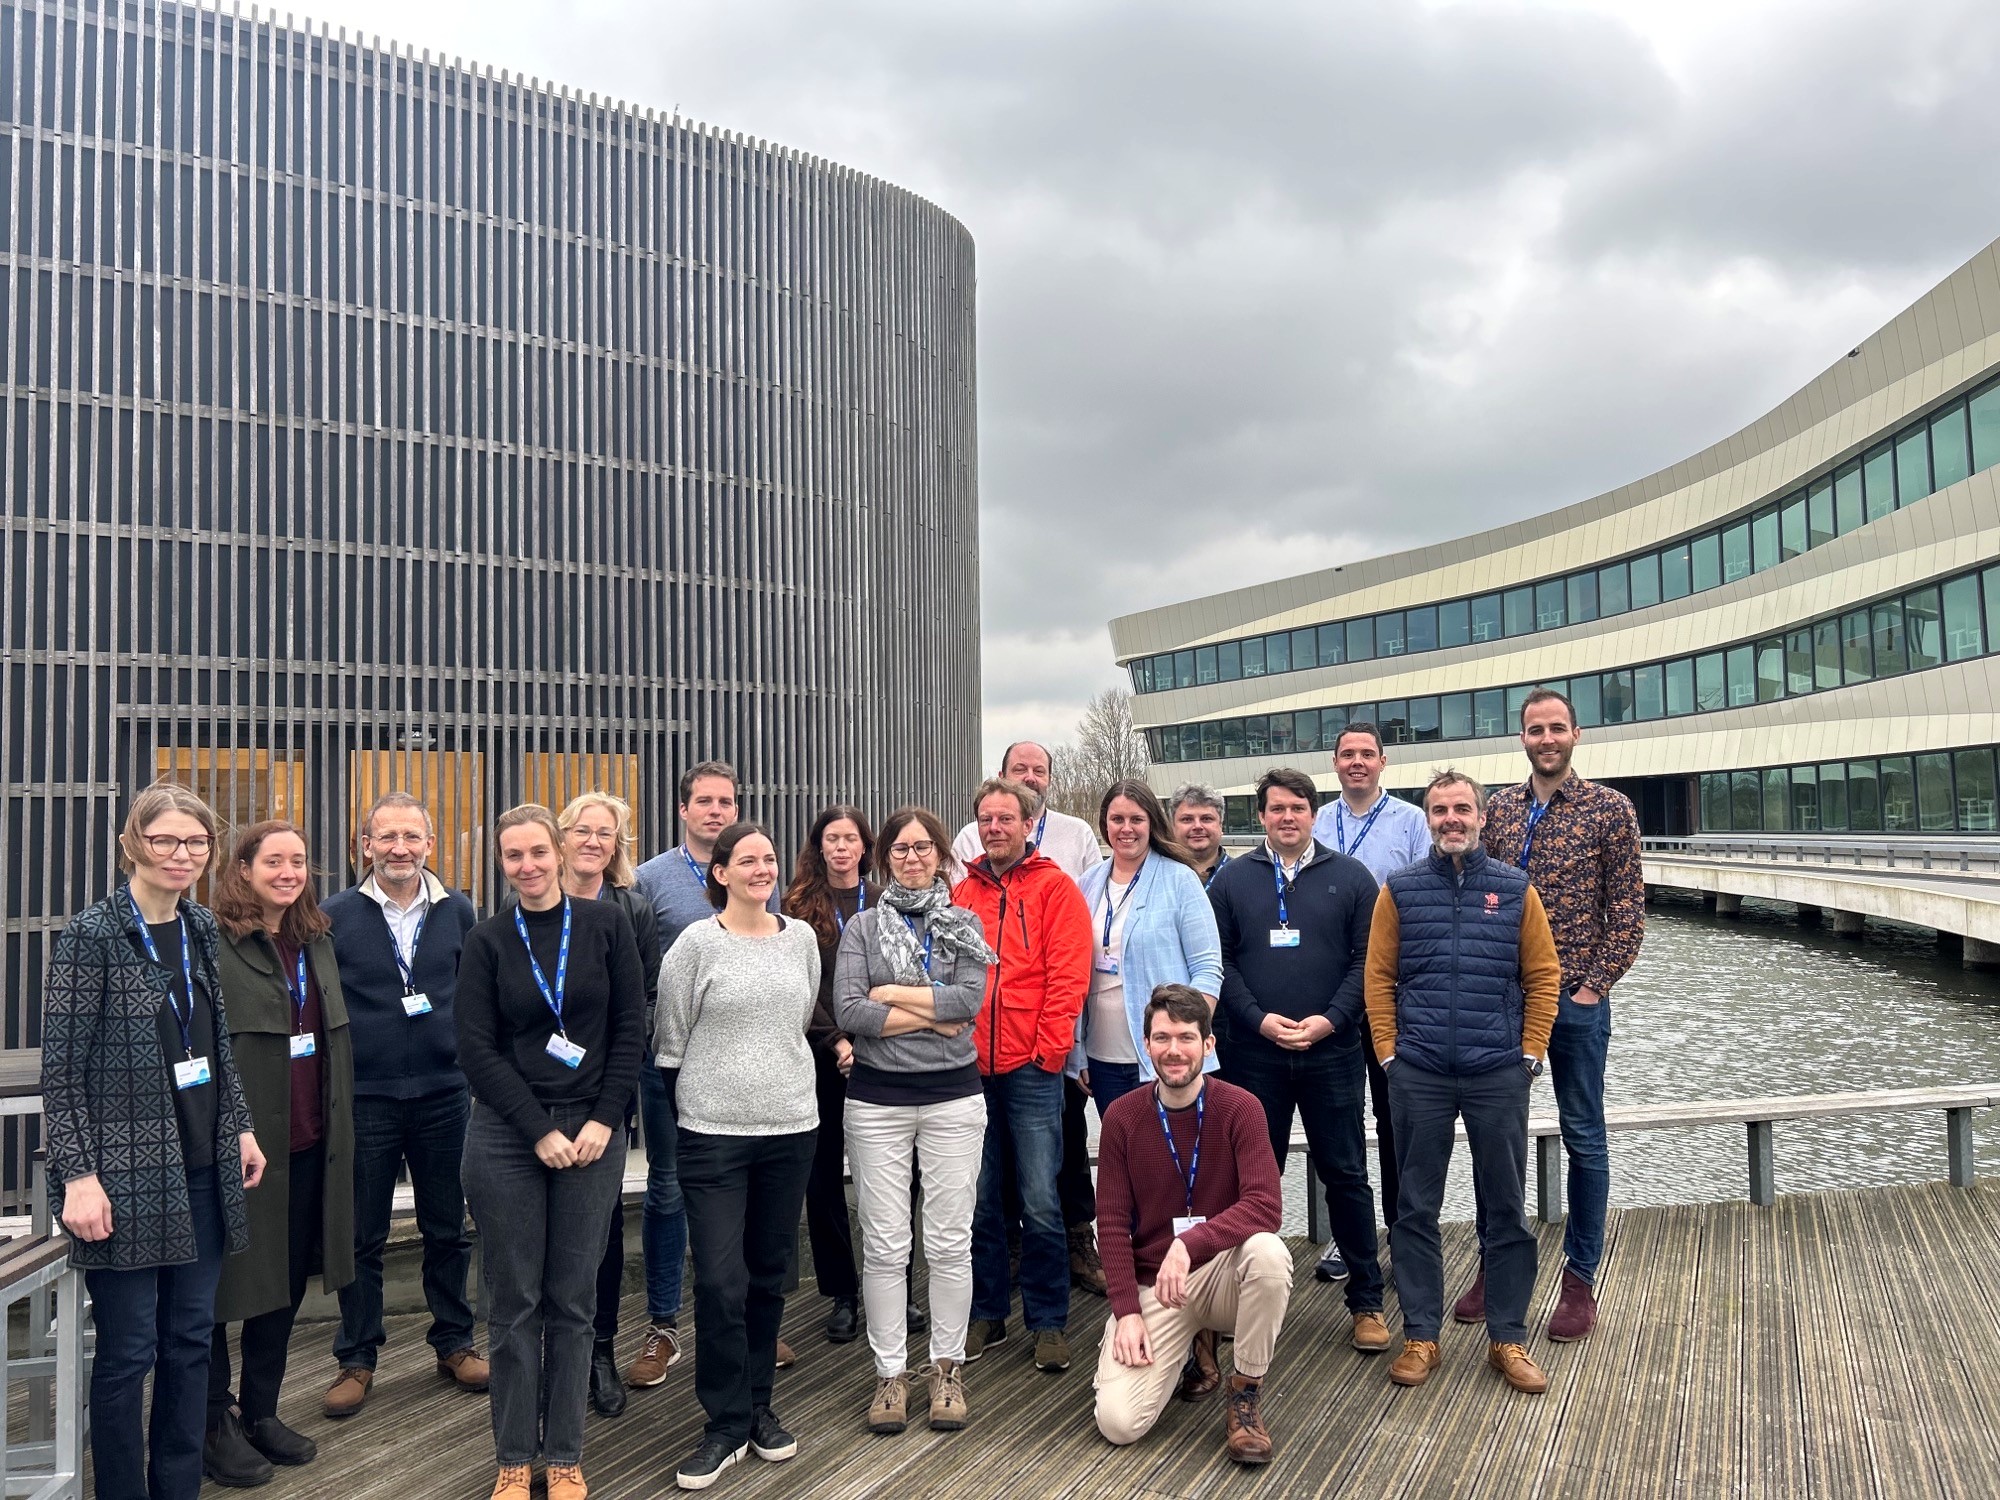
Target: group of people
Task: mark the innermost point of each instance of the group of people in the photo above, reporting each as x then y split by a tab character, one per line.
232	1092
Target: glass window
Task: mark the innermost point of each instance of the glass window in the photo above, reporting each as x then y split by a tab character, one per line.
1646	581
1211	741
1935	813
1889	657
1764	539
1913	482
1305	649
1962	636
1777	799
1332	645
1740	671
1857	651
1614	590
1308	728
1455	716
1517	699
1706	554
1770	670
1989	592
1921	636
1746	801
1878	470
1257	735
1204	664
1615	705
1420	629
1184	669
1674	572
1949	460
1819	514
1190	742
1826	654
1389	634
1899	795
1489	713
1232	738
1239	814
1229	661
1805	799
1976	792
1486	618
1736	552
1163	671
1551	609
1424	722
1792	528
1277	733
1586	696
1986	428
1798	662
1710	692
1680	686
1253	657
1715	802
1849	508
1361	640
1165	745
1278	652
1394	721
1833	796
1357	713
1455	623
1864	802
1582	598
1648	692
1517	608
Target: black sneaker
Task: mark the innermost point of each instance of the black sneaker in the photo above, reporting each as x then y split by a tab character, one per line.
843	1324
768	1438
1331	1267
279	1443
228	1458
704	1466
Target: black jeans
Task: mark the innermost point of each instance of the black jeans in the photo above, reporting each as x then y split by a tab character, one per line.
827	1224
1073	1182
1327	1087
1494	1106
542	1236
155	1321
267	1338
743	1193
429	1134
1385	1132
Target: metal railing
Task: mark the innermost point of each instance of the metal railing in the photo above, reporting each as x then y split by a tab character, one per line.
1978	857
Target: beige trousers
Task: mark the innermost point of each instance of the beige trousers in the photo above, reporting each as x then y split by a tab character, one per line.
1242	1292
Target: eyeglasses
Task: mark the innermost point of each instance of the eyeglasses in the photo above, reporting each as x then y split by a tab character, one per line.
582	835
399	840
164	844
922	849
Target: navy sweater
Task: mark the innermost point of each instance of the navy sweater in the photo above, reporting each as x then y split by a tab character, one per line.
1330	905
396	1055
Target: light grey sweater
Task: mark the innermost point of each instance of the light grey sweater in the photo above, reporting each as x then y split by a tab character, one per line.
858	968
732	1018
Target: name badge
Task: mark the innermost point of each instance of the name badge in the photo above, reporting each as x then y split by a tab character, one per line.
564	1051
1106	964
191	1074
1183	1225
416	1005
1284	937
303	1046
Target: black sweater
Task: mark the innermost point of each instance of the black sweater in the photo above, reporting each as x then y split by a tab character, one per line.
504	1024
1331	906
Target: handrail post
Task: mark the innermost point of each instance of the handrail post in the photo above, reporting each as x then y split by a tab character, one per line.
1548	1179
1960	1156
1763	1180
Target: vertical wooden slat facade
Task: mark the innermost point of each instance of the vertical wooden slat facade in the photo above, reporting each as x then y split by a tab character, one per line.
366	411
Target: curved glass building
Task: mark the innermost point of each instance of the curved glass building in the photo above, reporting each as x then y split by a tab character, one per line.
1795	630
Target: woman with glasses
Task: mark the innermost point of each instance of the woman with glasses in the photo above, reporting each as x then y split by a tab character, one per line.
550	1005
910	978
149	1140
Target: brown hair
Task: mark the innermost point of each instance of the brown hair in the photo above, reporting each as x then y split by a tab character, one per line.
1452	776
809	897
901	818
1181	1002
1286	779
240	909
1547	695
152	804
521	817
1159	830
1001	786
725	849
722	770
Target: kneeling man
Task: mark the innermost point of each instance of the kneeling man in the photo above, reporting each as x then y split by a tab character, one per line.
1188	1206
1462	986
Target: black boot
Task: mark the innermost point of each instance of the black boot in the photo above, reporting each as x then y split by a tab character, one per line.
228	1458
279	1443
607	1386
915	1319
843	1324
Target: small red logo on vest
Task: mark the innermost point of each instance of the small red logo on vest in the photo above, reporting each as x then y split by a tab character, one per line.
1493	901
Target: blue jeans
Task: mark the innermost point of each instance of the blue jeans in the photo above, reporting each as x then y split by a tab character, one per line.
1577	1047
429	1134
156	1321
1110	1082
1024	1110
663	1232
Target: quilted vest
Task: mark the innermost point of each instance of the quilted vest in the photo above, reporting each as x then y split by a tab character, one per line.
1458	977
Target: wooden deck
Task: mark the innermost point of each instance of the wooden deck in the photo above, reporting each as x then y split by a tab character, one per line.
1838	1344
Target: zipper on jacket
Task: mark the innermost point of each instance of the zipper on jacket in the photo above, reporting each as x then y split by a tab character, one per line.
1457	946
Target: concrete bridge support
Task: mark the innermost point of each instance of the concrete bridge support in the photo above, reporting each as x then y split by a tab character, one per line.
1728	904
1811	916
1981	955
1850	924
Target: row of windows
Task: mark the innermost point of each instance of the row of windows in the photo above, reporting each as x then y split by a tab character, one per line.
1954	620
1952	443
1944	792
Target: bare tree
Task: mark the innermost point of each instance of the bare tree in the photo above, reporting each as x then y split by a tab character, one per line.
1106	749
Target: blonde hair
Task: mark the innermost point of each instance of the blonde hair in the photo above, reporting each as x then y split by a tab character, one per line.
521	817
620	871
152	804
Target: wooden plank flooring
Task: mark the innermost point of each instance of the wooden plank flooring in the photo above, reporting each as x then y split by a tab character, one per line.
1837	1345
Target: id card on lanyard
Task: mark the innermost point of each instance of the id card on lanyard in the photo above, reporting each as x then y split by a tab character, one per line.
1106	963
191	1071
1282	935
560	1047
1185	1221
304	1043
1536	812
415	1001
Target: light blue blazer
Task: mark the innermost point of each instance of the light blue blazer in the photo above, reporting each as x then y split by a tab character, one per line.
1170	938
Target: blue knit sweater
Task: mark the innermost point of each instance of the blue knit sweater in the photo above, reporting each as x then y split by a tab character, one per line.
396	1054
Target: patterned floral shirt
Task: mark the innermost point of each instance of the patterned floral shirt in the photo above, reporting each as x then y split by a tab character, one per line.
1584	861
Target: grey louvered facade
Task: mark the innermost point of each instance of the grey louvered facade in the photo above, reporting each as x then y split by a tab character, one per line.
371	419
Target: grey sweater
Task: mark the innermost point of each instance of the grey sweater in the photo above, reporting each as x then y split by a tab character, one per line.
960	990
732	1018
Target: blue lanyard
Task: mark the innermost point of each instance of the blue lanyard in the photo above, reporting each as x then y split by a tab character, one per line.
1536	812
694	869
1220	860
409	970
927	942
1200	1110
1278	879
185	1022
1041	824
860	905
299	997
1110	911
553	998
1340	825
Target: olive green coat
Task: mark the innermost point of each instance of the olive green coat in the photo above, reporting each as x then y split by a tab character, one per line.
257	1006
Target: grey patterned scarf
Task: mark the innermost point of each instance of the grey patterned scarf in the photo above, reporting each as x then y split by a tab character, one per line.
953	930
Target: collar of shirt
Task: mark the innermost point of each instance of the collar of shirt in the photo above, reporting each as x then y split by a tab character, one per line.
1290	872
434	891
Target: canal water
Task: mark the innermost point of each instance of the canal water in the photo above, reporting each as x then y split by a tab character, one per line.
1720	1008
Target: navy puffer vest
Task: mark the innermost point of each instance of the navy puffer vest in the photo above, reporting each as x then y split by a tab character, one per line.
1458	977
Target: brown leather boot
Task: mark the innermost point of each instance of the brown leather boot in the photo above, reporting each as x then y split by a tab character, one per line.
512	1483
1414	1365
1576	1310
1201	1376
1471	1307
1243	1421
1519	1371
465	1369
348	1393
566	1483
1086	1271
1371	1332
787	1356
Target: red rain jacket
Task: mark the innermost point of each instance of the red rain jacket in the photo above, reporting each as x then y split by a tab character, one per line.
1037	921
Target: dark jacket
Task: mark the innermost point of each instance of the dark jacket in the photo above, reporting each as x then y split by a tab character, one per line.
397	1055
1329	905
107	1092
257	1008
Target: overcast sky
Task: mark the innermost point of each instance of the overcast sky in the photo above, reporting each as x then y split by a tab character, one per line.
1264	288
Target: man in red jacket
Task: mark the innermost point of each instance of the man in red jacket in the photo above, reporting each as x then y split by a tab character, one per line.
1188	1207
1036	920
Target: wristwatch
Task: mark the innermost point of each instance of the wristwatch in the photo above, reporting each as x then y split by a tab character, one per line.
1532	1064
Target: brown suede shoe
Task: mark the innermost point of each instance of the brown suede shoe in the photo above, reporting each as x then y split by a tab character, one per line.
1471	1307
1415	1364
1371	1332
512	1483
949	1408
1086	1271
566	1483
787	1357
1576	1310
1519	1371
890	1410
1243	1422
468	1370
1201	1376
348	1393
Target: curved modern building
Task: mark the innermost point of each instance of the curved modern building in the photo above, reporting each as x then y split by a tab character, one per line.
1797	629
375	419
